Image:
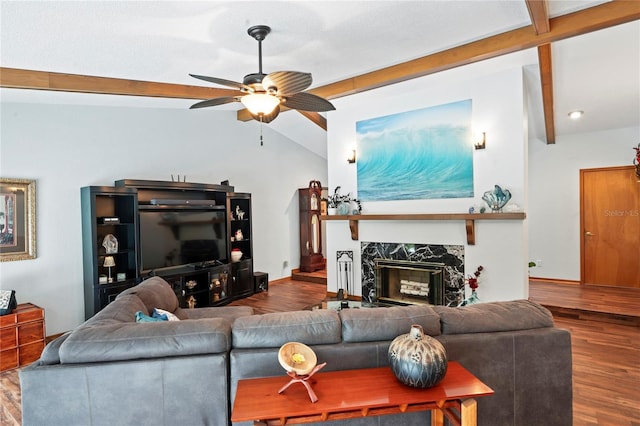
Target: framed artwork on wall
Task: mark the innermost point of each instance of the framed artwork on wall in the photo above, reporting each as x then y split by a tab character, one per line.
414	155
17	219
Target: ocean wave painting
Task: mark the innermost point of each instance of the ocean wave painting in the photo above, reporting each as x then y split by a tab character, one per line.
420	154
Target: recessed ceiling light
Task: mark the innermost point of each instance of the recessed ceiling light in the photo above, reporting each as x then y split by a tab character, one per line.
576	114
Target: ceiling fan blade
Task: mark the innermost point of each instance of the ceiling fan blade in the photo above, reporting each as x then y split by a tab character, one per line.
267	118
287	82
307	102
214	102
222	81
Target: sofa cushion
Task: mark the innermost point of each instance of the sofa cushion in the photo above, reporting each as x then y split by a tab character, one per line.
494	316
119	341
154	293
275	329
122	310
372	324
50	355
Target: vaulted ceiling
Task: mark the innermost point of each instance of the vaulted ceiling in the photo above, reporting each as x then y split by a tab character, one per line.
588	50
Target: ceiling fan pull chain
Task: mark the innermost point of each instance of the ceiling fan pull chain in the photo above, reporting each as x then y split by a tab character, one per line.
261	144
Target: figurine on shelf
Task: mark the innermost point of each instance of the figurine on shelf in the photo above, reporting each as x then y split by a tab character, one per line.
110	244
239	213
239	236
191	302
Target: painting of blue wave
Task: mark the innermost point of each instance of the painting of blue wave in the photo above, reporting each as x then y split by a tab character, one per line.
420	154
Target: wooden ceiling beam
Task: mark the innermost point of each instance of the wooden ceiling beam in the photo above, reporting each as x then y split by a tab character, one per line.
44	80
585	21
539	14
594	18
546	79
316	118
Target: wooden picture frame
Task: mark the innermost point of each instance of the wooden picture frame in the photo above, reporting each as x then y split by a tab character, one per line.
17	219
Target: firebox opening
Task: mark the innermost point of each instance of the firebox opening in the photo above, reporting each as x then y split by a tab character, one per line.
400	282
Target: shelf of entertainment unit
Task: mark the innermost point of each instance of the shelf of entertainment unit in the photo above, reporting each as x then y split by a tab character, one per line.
469	218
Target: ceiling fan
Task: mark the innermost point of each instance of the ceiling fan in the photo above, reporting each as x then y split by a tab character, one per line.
263	94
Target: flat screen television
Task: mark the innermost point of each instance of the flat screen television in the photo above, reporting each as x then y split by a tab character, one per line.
173	238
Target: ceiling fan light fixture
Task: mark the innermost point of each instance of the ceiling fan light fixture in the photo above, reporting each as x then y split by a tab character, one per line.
260	103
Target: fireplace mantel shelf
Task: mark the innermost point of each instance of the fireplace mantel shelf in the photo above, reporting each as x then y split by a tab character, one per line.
469	219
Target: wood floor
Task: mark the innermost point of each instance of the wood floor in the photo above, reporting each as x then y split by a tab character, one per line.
612	304
606	354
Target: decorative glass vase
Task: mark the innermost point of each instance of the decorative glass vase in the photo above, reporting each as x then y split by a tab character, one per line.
417	359
497	198
344	208
473	298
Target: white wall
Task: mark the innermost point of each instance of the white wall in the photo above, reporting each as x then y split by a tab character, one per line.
66	147
498	104
554	197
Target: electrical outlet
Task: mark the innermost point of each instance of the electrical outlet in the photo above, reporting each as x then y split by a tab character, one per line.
538	263
285	263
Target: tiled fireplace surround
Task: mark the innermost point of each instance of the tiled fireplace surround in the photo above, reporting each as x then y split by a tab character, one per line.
452	256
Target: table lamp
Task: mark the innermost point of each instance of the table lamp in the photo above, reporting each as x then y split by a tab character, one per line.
109	262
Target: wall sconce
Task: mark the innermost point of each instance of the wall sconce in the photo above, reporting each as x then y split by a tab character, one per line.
352	157
481	140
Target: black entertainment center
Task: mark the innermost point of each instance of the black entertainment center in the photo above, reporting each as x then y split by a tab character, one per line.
196	236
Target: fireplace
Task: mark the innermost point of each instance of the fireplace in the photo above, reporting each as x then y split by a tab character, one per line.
449	259
401	282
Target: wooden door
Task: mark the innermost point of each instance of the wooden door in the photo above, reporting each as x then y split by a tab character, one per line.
610	225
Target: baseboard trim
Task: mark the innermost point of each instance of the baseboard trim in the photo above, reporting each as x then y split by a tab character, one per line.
555	281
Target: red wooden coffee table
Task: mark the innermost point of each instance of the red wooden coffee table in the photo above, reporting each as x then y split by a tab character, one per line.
358	393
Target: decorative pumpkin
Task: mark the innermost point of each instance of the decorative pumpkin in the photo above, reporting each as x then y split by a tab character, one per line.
417	359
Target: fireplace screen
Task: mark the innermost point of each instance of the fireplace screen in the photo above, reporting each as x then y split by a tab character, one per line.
402	282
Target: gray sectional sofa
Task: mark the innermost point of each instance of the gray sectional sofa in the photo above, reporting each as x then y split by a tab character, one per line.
111	370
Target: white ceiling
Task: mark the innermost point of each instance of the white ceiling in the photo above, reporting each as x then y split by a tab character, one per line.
165	40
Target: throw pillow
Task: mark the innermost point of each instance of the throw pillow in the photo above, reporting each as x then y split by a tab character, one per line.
141	317
165	315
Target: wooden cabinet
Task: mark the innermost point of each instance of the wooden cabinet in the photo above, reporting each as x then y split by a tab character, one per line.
202	287
242	279
183	232
311	258
109	215
22	336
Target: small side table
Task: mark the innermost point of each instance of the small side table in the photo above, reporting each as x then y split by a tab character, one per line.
22	336
349	394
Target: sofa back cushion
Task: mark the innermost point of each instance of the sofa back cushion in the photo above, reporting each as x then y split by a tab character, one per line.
275	329
121	311
494	316
155	293
373	324
120	341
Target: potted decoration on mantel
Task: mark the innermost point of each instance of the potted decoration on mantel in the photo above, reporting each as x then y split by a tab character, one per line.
342	204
